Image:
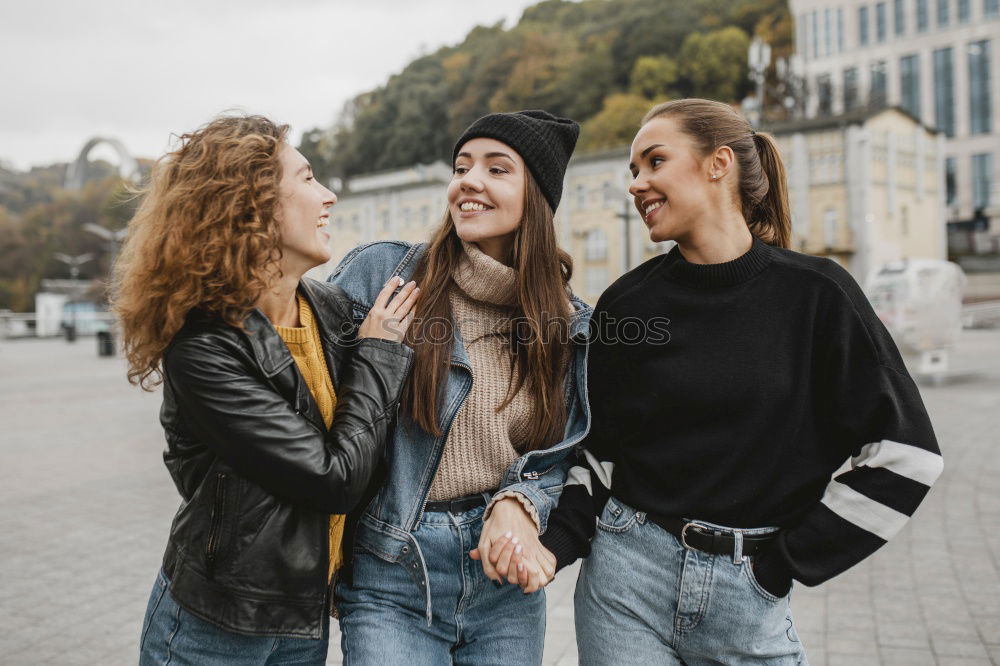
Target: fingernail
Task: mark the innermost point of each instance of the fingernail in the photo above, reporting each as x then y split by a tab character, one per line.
514	540
520	566
518	549
509	534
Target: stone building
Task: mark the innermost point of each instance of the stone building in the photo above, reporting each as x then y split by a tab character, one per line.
864	189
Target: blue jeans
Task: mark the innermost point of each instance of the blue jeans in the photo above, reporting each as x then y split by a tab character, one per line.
172	635
643	598
474	621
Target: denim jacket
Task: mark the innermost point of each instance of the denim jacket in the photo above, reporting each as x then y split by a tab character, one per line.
412	455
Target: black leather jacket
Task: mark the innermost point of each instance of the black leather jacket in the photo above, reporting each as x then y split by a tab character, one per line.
258	471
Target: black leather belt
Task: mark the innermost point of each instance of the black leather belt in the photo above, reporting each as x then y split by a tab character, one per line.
708	540
459	504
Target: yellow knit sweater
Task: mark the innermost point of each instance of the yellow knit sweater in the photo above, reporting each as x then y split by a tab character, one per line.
307	350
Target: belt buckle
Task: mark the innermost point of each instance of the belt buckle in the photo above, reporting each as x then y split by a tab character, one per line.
684	534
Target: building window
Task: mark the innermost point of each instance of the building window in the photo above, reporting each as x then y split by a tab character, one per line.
877	91
830	228
980	102
982	180
425	215
824	92
840	29
581	197
815	33
827	38
943	11
944	88
863	25
801	36
909	84
597	245
950	181
921	15
991	7
899	16
597	280
850	88
880	23
964	11
608	194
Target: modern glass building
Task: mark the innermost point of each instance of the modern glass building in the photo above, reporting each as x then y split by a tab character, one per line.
938	60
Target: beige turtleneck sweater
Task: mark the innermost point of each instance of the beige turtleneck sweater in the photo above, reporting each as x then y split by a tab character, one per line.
482	443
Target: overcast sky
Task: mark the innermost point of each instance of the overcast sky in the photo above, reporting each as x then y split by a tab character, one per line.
140	70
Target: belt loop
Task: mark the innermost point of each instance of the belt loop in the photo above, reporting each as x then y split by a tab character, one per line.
737	546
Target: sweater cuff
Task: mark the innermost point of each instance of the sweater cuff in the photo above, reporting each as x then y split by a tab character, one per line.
771	573
560	542
520	497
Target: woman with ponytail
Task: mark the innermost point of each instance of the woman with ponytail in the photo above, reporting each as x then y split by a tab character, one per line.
712	456
489	415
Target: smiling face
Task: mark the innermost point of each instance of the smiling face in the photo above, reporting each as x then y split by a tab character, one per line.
486	195
302	214
671	180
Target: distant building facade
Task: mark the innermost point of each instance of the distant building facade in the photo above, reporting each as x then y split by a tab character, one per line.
865	189
939	60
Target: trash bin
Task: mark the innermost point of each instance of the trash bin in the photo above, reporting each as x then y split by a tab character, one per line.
105	343
70	332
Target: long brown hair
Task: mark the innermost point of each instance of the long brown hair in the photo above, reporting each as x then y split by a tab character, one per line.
205	236
763	186
539	338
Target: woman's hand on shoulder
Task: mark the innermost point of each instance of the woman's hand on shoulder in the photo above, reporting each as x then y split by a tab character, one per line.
390	316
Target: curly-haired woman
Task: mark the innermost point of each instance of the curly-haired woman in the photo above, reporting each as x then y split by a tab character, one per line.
276	407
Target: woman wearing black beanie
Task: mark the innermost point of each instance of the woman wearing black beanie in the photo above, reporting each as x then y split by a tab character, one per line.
489	416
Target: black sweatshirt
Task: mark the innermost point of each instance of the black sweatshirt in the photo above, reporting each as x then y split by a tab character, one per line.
732	393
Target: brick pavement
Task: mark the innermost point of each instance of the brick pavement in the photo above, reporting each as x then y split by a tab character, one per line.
86	505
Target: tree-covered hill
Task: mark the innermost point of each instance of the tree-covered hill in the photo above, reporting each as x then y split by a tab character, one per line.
600	62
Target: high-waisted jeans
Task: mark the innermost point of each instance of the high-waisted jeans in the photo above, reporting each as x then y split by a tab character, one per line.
383	618
643	598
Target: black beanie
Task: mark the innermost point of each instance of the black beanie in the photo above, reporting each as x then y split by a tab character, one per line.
545	143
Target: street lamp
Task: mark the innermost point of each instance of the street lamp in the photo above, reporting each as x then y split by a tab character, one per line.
625	217
113	238
758	59
74	263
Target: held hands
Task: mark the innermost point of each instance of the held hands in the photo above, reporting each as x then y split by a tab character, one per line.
509	548
390	316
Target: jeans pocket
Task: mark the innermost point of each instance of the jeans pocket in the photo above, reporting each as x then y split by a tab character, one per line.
758	588
616	517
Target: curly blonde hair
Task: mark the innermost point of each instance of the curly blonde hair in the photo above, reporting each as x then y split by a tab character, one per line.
204	236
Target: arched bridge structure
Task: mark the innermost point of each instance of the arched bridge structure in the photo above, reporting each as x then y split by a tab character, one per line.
128	168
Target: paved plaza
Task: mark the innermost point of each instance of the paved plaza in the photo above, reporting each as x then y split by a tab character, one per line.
86	506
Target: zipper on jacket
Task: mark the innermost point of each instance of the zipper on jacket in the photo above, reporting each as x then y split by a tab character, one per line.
444	436
216	526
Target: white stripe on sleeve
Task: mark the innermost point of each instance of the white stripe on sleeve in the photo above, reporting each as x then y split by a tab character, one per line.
603	470
909	461
580	476
866	513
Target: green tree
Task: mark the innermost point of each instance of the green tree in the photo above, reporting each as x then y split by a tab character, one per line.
653	76
616	123
715	64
